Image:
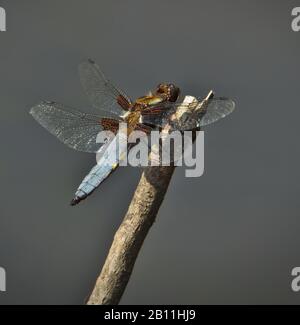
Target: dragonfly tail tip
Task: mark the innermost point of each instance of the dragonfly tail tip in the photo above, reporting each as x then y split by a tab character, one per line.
75	201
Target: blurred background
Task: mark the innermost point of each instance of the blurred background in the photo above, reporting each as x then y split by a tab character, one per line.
230	236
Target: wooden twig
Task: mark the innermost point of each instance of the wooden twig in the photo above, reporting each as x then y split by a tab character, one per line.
130	236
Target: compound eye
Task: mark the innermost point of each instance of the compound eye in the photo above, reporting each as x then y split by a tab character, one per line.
173	93
160	88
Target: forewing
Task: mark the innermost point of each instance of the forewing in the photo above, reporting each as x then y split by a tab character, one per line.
176	116
75	129
101	92
158	115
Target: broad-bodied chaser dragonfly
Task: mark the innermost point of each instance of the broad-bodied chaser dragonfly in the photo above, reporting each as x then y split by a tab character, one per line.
111	106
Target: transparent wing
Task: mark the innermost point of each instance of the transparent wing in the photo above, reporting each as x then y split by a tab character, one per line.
75	129
184	116
158	115
217	108
167	114
101	92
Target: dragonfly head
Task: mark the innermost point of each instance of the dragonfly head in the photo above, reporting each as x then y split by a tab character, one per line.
168	91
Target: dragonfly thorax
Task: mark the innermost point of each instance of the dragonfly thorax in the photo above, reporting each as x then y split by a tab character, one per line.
149	100
163	92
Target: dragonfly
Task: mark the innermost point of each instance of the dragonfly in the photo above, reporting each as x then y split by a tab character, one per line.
158	109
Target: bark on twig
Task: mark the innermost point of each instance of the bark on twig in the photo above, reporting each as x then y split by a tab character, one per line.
130	236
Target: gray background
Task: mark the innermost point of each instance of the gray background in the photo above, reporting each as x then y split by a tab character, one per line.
230	236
